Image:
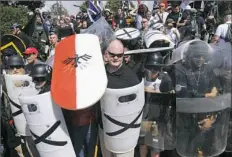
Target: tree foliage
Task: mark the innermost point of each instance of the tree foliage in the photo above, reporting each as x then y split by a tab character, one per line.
84	6
32	5
224	8
10	15
113	5
57	9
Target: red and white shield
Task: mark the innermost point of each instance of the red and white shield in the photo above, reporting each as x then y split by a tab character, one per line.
79	79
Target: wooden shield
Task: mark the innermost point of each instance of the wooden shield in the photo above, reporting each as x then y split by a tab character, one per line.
10	41
79	79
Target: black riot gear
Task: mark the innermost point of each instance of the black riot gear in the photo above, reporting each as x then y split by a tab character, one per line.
198	54
41	75
15	60
154	59
42	71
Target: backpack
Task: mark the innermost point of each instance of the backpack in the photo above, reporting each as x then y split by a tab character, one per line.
229	33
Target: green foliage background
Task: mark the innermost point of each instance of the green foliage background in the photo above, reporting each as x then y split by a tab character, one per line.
10	15
58	9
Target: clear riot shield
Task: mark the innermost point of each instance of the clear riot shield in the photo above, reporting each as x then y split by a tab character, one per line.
122	111
203	102
160	122
202	131
47	125
222	63
15	85
229	139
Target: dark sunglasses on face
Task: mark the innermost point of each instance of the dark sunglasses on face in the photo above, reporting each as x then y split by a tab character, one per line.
118	55
39	79
15	67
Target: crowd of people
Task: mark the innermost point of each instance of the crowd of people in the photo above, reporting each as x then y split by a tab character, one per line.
202	71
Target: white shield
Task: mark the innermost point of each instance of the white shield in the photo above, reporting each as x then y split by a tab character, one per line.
16	84
127	33
47	126
121	115
153	35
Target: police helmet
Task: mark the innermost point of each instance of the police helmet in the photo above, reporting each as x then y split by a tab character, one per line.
154	59
198	48
41	71
15	60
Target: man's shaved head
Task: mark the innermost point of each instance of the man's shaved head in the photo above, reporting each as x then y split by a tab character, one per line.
116	44
114	53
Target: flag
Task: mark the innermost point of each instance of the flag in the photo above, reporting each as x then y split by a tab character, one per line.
29	28
100	5
92	8
93	11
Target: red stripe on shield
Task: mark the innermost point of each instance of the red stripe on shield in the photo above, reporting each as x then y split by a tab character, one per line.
63	87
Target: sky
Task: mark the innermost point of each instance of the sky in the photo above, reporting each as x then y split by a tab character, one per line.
74	10
67	4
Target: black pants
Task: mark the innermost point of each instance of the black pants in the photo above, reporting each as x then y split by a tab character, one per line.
83	139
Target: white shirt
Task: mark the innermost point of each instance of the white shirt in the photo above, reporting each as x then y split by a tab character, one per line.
154	85
222	30
174	37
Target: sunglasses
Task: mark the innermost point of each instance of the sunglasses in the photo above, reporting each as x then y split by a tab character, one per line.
113	54
15	67
39	79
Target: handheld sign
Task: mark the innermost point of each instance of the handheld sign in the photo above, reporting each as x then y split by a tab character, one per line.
79	79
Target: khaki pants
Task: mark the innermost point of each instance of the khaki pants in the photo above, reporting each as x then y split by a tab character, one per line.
107	153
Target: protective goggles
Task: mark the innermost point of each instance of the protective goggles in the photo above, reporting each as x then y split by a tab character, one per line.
39	79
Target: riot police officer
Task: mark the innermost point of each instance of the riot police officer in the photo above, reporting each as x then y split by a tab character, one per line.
199	120
41	75
156	79
157	86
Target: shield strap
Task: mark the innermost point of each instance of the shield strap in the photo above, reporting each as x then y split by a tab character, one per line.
17	106
124	125
43	137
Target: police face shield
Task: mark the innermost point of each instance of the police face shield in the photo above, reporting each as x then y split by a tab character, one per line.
202	103
198	61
